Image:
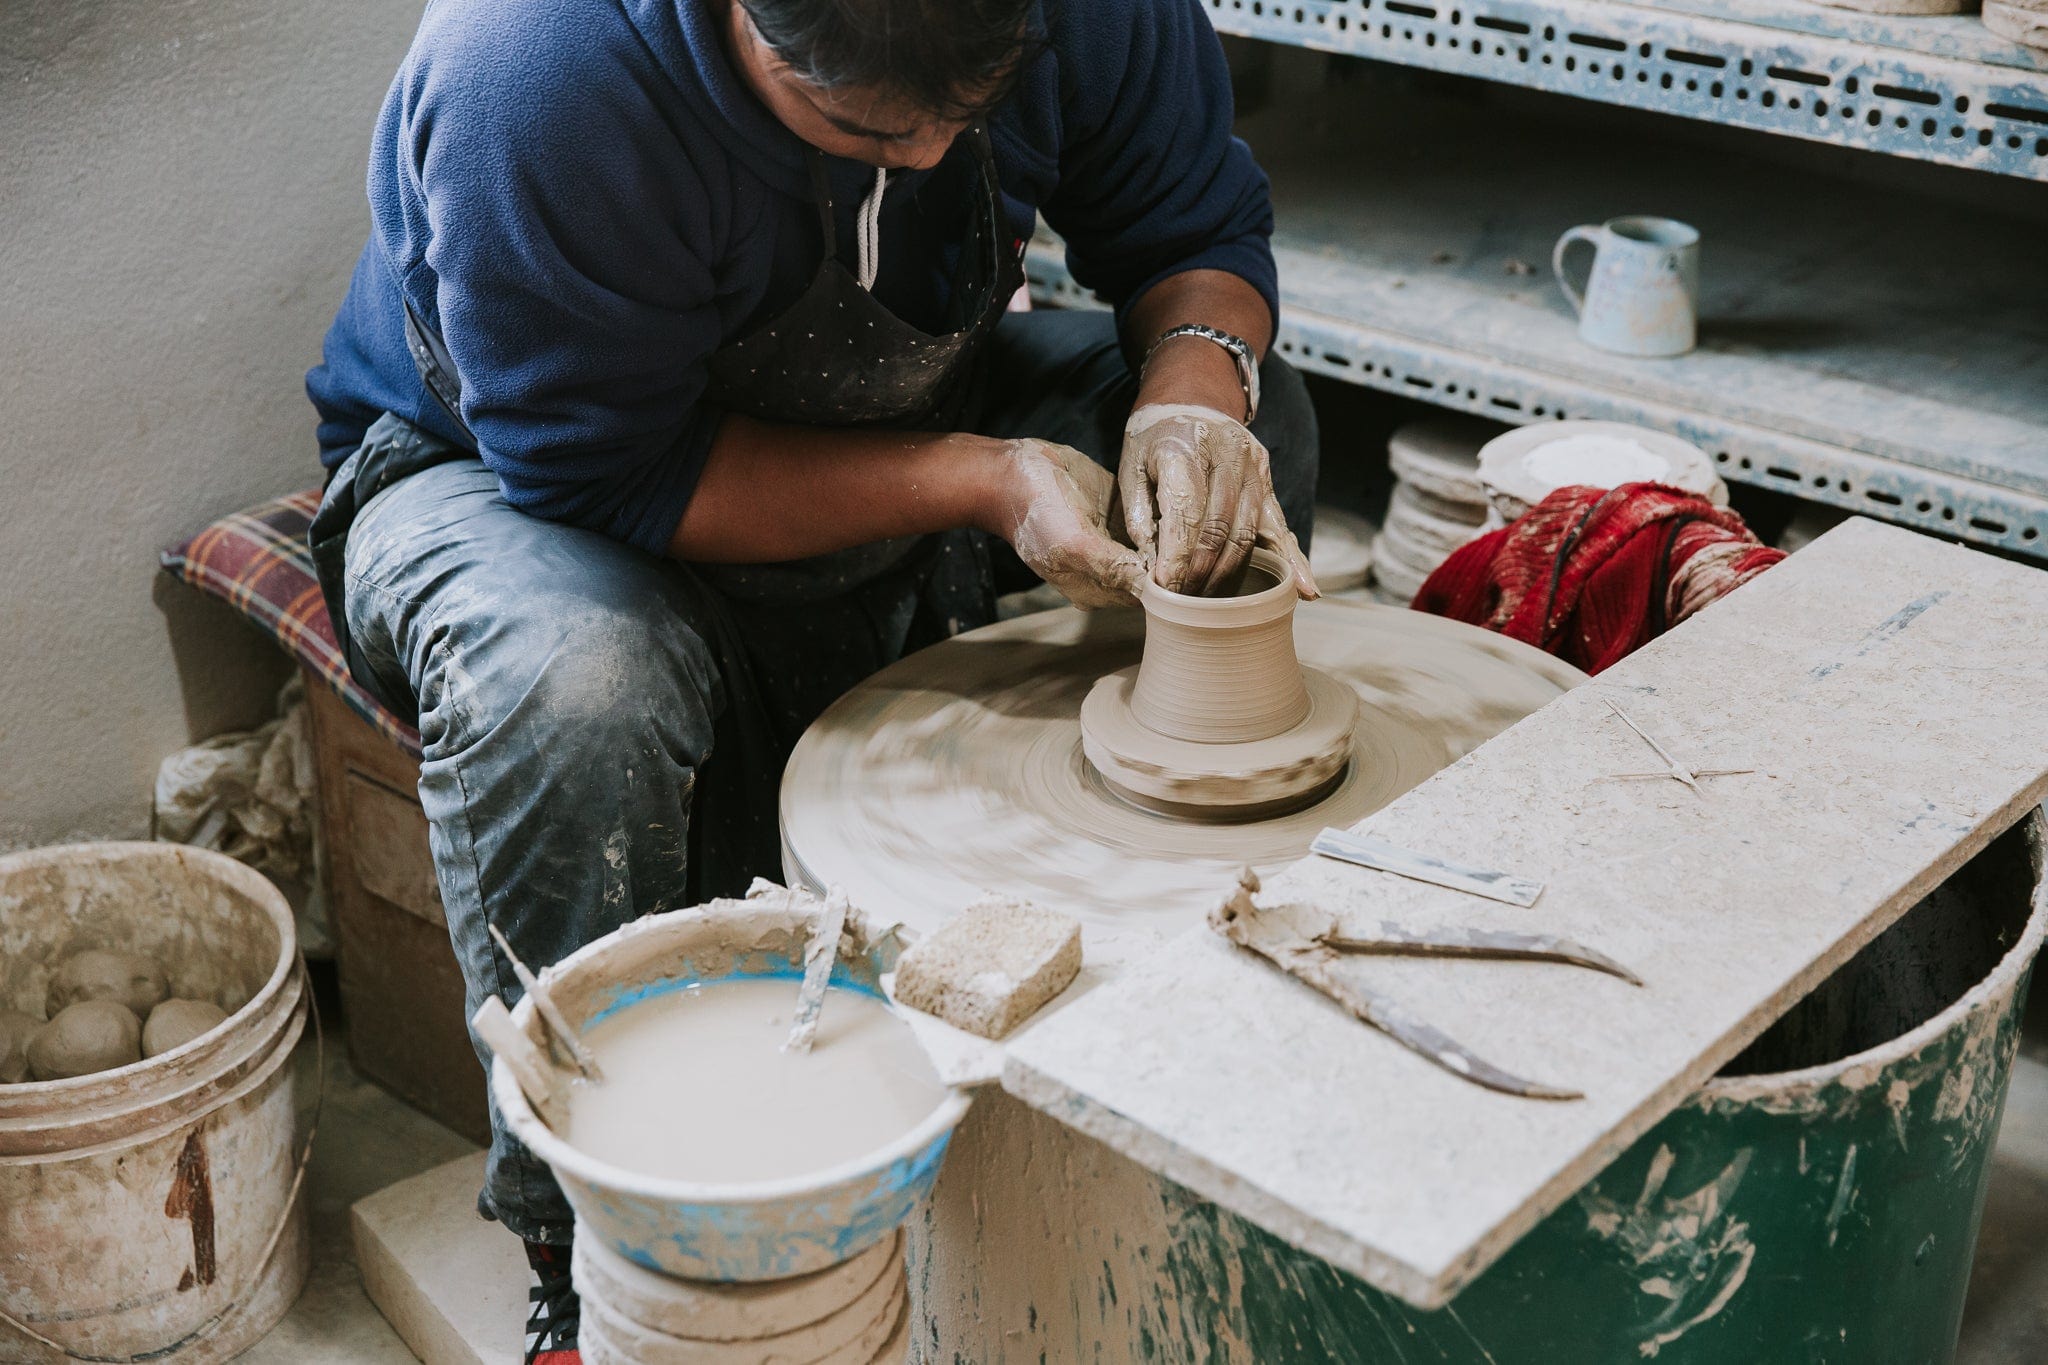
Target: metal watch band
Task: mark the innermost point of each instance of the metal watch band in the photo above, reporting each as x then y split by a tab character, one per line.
1240	351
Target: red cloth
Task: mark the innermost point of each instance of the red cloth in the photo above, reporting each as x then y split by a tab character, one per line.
1591	574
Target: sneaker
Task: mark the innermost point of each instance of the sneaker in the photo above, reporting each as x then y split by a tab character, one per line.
554	1309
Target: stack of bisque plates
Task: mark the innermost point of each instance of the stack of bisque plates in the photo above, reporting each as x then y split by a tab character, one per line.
2023	21
1523	467
1438	503
853	1313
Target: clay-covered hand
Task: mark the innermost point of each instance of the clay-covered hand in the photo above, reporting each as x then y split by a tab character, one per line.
1055	513
1197	494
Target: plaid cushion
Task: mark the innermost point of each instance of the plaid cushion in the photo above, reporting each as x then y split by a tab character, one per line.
257	562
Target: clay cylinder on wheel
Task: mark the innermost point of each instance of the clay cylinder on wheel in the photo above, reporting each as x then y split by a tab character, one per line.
1219	721
1222	670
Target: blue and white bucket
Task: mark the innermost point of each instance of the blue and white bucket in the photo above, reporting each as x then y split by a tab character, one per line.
767	1230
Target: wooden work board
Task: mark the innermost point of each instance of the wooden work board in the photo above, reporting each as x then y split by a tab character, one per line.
1890	693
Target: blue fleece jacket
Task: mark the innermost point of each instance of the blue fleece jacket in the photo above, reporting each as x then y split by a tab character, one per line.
587	201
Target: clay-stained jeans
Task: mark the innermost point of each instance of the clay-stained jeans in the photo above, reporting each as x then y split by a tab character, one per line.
566	692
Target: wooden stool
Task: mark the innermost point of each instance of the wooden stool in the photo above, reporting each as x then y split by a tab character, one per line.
399	983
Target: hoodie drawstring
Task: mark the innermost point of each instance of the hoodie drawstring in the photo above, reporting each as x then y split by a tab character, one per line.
868	228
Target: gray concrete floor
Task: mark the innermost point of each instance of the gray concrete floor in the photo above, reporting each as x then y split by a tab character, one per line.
368	1140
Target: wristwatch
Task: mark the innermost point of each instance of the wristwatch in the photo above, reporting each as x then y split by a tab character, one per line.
1240	351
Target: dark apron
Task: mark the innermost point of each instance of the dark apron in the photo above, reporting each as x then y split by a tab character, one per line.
790	638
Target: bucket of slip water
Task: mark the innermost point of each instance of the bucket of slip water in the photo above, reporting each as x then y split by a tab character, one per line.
722	1233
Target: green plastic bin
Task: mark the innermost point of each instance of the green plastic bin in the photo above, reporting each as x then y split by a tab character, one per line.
1817	1202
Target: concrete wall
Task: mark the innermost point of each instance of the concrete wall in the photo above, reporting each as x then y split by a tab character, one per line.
180	204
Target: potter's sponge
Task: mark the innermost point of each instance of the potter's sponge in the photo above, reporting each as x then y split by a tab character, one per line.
992	966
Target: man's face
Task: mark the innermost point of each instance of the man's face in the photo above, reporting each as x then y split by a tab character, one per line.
860	124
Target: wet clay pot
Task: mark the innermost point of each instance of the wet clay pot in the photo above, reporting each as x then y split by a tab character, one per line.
1219	720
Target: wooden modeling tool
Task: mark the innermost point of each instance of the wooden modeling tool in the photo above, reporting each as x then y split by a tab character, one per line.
819	954
536	1073
1305	942
557	1023
1677	769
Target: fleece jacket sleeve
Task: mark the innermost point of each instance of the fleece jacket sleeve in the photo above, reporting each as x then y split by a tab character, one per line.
579	317
1151	181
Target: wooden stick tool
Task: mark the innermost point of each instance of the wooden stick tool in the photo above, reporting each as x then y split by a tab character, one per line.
558	1028
820	953
536	1073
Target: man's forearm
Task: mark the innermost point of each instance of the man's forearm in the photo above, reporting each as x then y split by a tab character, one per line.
1193	369
772	492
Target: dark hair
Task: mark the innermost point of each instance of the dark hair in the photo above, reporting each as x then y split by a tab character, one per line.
953	58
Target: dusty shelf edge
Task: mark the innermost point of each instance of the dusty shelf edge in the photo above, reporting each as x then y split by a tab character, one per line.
1983	514
1982	103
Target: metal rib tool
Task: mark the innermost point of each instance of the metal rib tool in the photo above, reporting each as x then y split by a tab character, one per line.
1365	851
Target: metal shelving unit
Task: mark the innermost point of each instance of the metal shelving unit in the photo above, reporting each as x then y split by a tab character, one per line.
1935	88
1878	352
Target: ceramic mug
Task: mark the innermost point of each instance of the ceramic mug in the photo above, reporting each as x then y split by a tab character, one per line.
1642	294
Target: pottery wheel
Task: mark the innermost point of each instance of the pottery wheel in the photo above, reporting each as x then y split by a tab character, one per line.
958	771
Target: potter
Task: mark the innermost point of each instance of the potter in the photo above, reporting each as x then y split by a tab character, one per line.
678	391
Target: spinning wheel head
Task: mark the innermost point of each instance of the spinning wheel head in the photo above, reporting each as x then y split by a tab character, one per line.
961	771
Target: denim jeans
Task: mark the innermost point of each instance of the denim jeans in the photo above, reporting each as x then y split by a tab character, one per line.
571	691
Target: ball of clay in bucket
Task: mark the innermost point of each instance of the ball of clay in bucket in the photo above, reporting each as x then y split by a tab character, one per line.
16	1029
97	974
92	1035
177	1022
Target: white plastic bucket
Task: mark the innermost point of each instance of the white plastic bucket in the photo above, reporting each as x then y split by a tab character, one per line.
727	1233
150	1212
